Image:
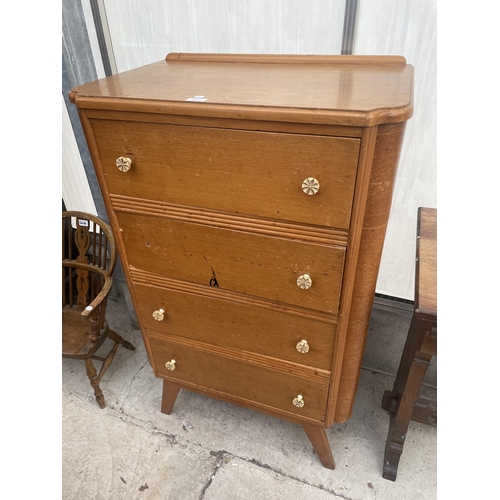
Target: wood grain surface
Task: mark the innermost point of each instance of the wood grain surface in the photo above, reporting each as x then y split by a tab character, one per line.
350	269
349	94
245	172
285	58
426	265
255	384
388	144
259	125
227	220
221	322
233	260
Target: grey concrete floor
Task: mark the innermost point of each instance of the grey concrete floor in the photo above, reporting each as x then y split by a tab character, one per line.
210	450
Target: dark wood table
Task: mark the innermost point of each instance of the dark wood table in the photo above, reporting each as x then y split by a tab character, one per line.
403	402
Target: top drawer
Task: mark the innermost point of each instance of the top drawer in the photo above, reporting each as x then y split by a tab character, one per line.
247	172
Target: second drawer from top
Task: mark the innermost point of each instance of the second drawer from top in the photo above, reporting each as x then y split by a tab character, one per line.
280	269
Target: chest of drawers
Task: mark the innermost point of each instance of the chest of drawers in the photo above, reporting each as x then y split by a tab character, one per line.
249	196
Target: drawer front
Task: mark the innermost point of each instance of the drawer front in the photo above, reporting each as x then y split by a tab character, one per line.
246	172
236	325
252	383
249	263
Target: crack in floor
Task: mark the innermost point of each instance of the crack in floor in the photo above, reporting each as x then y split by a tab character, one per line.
132	381
220	460
284	474
222	457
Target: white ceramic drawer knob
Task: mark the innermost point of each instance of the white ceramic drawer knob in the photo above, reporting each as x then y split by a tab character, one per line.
170	365
310	186
159	315
302	347
304	281
298	401
124	164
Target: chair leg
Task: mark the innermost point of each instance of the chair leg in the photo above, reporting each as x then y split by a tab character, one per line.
317	436
95	378
114	336
94	382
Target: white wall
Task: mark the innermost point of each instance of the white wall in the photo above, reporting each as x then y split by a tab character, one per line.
76	191
75	186
144	32
94	44
407	28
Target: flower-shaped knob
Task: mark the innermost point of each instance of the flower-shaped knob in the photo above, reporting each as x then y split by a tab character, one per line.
298	401
124	164
302	347
170	365
159	315
310	186
304	281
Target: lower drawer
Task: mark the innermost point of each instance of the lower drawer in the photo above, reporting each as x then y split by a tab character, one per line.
238	325
253	384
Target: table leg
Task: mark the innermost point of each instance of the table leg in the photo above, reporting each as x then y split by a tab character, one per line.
411	373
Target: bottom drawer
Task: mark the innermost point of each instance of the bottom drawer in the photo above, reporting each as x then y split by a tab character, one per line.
265	387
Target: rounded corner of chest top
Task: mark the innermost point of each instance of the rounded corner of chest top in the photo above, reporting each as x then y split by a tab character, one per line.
72	95
384	116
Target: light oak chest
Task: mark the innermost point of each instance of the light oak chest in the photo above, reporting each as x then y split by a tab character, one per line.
250	196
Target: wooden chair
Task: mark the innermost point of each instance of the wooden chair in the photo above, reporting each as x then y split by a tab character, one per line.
88	260
403	403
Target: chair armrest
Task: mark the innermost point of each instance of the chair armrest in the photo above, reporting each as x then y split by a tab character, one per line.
108	283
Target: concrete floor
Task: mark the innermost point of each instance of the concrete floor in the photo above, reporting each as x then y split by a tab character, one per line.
210	450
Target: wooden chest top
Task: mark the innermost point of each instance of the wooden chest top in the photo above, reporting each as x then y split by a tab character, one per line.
338	90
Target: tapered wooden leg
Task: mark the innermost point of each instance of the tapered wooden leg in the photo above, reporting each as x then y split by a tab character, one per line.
94	382
114	336
317	436
169	395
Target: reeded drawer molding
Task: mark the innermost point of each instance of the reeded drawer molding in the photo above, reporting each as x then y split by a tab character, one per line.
146	278
287	367
291	231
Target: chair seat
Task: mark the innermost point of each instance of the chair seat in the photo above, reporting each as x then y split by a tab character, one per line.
76	341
